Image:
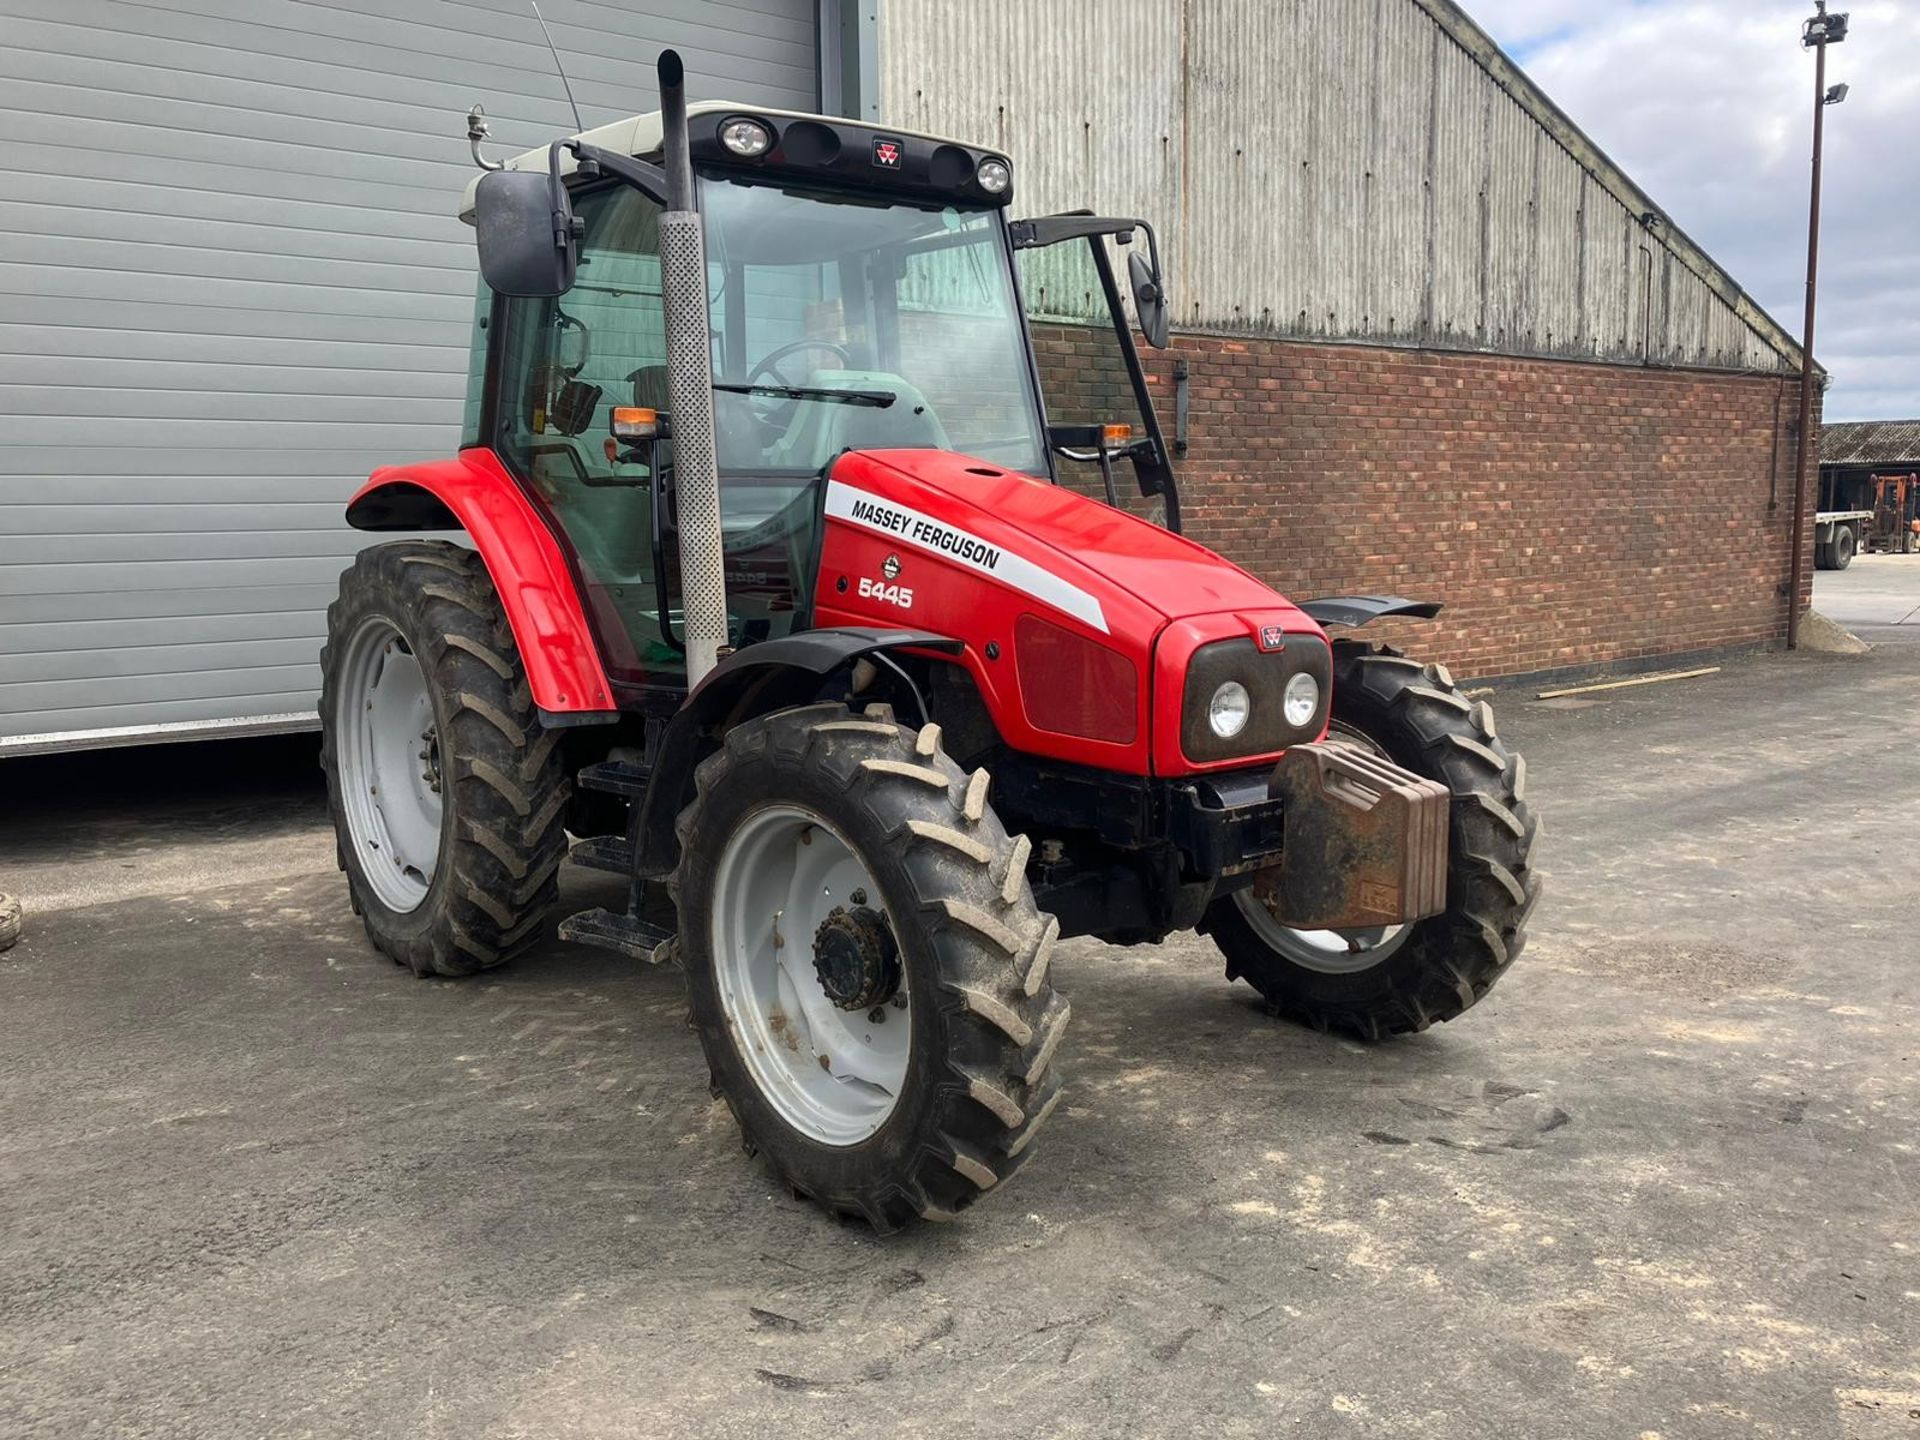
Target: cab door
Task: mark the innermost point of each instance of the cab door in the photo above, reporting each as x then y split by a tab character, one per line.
1101	424
562	365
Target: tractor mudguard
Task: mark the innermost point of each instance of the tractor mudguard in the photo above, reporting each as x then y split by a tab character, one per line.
1354	611
474	492
771	675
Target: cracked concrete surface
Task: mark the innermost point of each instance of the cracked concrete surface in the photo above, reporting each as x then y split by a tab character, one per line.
256	1181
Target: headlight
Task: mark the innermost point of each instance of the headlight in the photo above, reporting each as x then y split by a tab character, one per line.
746	137
1300	700
993	176
1228	710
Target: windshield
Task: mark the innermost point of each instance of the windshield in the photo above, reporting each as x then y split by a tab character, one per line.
842	322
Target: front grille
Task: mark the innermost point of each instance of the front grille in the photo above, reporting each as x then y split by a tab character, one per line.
1265	674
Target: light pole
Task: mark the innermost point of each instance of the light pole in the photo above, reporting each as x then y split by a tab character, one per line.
1819	32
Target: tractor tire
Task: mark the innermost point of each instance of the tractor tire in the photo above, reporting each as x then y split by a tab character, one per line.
795	817
1823	554
471	779
1844	546
1436	968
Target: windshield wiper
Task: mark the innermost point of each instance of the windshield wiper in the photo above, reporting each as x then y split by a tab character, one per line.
878	399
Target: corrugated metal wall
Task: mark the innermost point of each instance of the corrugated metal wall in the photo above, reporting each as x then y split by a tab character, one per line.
231	283
1342	169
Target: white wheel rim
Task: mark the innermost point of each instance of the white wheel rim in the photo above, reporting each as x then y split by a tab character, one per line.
388	751
1329	952
834	1075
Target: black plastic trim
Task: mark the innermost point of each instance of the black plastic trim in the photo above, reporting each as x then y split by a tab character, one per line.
563	719
1353	611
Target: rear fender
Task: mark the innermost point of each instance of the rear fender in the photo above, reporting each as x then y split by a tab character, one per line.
530	571
773	675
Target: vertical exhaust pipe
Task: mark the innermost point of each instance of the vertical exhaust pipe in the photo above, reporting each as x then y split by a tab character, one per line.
683	271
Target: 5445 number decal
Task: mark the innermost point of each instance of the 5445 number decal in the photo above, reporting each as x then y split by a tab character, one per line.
886	593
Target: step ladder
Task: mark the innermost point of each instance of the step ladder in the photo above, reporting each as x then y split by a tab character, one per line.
628	934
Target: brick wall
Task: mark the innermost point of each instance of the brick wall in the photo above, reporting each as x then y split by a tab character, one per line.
1568	514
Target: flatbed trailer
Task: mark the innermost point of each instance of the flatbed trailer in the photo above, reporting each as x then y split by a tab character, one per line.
1865	512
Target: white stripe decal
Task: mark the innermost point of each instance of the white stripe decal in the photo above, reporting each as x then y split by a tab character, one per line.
910	527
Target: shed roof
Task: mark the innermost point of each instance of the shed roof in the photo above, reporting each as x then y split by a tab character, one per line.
1870	442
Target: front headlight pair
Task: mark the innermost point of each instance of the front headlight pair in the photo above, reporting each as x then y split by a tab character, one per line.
1231	707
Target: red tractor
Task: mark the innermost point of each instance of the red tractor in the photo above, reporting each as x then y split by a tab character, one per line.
775	597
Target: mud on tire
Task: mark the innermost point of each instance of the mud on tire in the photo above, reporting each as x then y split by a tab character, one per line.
1449	961
980	1080
504	783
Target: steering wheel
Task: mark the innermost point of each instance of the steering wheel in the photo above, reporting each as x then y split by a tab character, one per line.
772	410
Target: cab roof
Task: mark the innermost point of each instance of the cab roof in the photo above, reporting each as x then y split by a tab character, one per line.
640	136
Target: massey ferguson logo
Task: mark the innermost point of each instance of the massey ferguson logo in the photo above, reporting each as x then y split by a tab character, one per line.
886	153
890	567
1272	637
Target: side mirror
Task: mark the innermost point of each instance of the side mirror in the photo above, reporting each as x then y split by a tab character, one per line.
1149	300
524	227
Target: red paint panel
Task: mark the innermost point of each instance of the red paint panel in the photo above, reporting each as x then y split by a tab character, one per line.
937	589
900	548
1124	553
529	571
1074	686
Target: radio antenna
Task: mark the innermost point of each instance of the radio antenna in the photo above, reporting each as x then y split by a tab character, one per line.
578	123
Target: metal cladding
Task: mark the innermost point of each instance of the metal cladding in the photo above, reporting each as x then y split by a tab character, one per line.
1372	170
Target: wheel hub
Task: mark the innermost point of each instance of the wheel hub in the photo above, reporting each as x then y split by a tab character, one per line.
391	769
788	888
855	956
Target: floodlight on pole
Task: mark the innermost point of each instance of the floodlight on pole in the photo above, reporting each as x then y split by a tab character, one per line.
1820	31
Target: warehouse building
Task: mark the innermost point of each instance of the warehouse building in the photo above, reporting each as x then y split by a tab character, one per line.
1428	338
1870	474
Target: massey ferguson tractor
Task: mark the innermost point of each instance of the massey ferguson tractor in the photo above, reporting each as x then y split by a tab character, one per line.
779	596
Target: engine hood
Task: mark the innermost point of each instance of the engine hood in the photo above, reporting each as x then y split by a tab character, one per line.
1052	525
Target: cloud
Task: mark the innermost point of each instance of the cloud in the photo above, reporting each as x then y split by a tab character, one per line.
1707	104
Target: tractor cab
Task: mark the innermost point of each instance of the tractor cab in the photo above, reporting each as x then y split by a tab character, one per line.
864	293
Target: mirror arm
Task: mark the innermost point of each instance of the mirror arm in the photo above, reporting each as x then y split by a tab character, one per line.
650	180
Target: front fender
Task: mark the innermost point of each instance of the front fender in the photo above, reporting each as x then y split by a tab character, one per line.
769	676
531	573
1352	611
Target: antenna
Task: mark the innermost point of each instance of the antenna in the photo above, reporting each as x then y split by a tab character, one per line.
578	123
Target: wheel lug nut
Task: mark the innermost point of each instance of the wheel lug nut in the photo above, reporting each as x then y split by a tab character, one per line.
877	1015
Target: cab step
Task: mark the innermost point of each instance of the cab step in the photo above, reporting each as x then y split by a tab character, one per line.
627	934
616	777
613	853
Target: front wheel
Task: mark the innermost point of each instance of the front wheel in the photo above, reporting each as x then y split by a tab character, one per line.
1395	979
865	965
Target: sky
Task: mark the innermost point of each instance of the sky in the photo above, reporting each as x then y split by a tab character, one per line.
1707	105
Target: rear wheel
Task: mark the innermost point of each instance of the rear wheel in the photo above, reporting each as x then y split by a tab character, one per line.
1392	979
866	967
447	797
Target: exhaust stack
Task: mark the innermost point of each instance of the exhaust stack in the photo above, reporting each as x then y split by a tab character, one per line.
683	267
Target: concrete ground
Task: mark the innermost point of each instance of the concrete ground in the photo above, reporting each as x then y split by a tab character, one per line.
1877	597
256	1181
